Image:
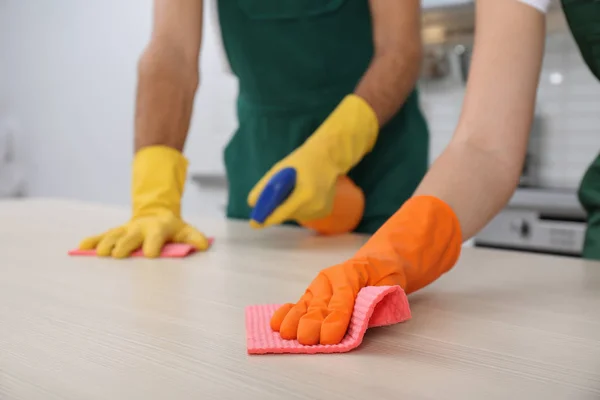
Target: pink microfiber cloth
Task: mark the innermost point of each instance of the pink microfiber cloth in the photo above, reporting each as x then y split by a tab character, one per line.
169	250
375	306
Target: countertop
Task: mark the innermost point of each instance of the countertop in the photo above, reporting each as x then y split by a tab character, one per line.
499	325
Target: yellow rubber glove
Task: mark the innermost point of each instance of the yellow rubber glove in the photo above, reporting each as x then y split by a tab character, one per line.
159	174
333	149
418	244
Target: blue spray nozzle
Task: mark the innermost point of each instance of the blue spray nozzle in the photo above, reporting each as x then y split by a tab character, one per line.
279	187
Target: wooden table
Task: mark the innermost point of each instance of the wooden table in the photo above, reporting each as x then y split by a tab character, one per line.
501	325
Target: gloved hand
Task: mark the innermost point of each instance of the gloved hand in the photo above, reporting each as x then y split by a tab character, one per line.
333	149
159	174
413	248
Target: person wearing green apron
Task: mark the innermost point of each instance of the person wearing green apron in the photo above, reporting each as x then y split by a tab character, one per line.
583	18
326	87
296	62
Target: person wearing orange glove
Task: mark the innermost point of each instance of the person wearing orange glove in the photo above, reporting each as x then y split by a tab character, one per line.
326	88
469	183
412	249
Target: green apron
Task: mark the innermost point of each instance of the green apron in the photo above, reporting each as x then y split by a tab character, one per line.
583	17
295	61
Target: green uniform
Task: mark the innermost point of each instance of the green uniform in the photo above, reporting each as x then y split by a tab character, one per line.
295	61
583	17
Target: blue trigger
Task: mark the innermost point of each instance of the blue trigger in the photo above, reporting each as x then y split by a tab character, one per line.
275	192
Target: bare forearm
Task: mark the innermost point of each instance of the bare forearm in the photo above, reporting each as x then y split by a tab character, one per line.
396	62
474	182
389	80
165	98
478	172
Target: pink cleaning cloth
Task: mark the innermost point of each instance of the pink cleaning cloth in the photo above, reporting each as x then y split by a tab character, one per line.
375	306
169	250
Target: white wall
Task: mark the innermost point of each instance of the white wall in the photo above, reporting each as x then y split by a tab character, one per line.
4	33
71	68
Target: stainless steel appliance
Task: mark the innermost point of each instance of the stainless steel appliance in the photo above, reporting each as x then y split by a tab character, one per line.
541	220
536	218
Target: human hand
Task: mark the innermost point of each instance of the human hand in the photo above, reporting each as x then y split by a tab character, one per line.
150	233
323	313
333	149
159	174
418	244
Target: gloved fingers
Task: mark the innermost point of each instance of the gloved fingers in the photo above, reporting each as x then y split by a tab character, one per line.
309	327
392	280
107	243
280	315
154	241
193	237
289	326
128	243
286	211
260	186
340	309
90	243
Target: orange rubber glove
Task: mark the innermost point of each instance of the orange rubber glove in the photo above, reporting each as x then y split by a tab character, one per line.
418	244
347	212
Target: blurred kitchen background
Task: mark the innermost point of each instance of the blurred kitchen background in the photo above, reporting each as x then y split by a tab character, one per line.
67	84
